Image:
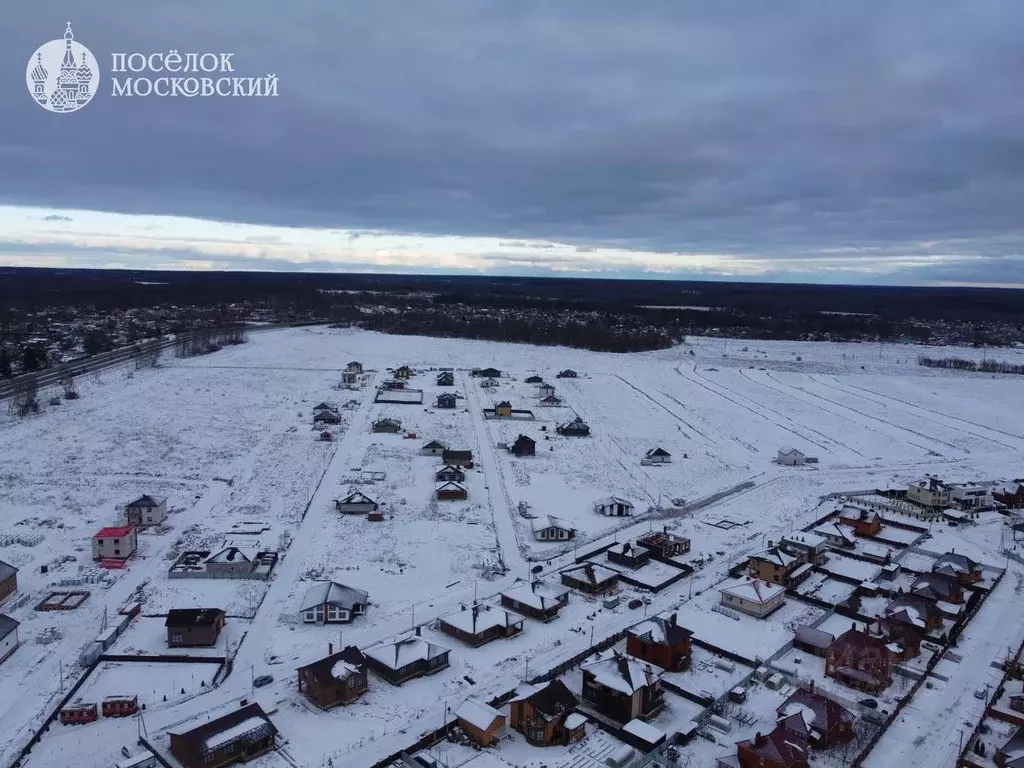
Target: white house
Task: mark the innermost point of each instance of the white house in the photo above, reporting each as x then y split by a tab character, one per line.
837	535
551	401
613	506
551	528
753	596
544	390
657	456
332	603
146	510
791	457
970	495
8	636
115	543
929	492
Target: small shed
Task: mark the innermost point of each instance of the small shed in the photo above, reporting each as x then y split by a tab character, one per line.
613	506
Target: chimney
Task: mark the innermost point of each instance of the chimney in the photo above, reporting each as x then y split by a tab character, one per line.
418	632
330	648
759	739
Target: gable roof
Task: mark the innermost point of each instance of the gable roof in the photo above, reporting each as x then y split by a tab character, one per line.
659	451
664	630
387	420
6	570
504	404
818	712
836	530
333	593
780	747
451	485
435	444
357	497
7	625
449	454
539	595
478	714
936	586
145	500
956	562
609	501
249	723
544	522
622	673
550	701
787	451
855	642
448	468
404	652
776	556
232	554
192	617
480	618
524	439
551	399
114	532
337	666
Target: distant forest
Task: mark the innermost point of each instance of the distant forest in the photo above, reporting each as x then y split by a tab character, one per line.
608	315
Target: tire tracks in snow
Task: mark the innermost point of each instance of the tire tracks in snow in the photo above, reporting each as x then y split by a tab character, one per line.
869	416
760	414
927	410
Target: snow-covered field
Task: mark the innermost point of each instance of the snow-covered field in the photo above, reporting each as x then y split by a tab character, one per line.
228	438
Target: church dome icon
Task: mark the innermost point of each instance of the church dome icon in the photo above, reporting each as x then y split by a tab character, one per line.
63	75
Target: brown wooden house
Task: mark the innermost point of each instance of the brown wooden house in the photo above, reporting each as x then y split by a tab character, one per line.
338	678
778	749
408	658
542	714
864	521
8	580
938	587
538	600
523	446
480	623
590	578
621	687
662	641
860	660
451	491
461	459
664	545
237	737
482	723
816	719
193	627
1010	494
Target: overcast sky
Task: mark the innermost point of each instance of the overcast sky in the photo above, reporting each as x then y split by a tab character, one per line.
864	141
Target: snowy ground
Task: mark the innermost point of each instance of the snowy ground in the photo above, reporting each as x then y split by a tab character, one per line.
228	437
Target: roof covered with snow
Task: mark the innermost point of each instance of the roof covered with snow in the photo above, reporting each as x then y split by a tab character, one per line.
544	522
664	630
590	573
622	673
540	595
333	593
7	625
643	731
478	714
481	618
405	652
754	590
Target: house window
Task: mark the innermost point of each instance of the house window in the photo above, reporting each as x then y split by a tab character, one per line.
117	551
117	541
310	615
176	637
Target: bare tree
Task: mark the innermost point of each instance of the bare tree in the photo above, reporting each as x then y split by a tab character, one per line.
148	356
24	396
67	383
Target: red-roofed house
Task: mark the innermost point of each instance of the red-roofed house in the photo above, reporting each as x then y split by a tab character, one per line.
819	720
115	543
778	749
860	660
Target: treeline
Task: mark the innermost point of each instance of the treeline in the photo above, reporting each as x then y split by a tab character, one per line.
613	334
963	364
205	341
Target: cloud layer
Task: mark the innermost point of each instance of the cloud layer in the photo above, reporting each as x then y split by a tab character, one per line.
789	132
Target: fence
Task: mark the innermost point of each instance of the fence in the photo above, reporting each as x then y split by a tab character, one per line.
602	645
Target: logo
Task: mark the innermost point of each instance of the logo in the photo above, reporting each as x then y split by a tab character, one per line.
62	75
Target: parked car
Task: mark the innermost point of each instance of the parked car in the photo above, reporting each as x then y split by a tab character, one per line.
869	703
262	680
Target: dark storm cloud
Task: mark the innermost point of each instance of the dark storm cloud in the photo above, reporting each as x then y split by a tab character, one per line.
764	129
